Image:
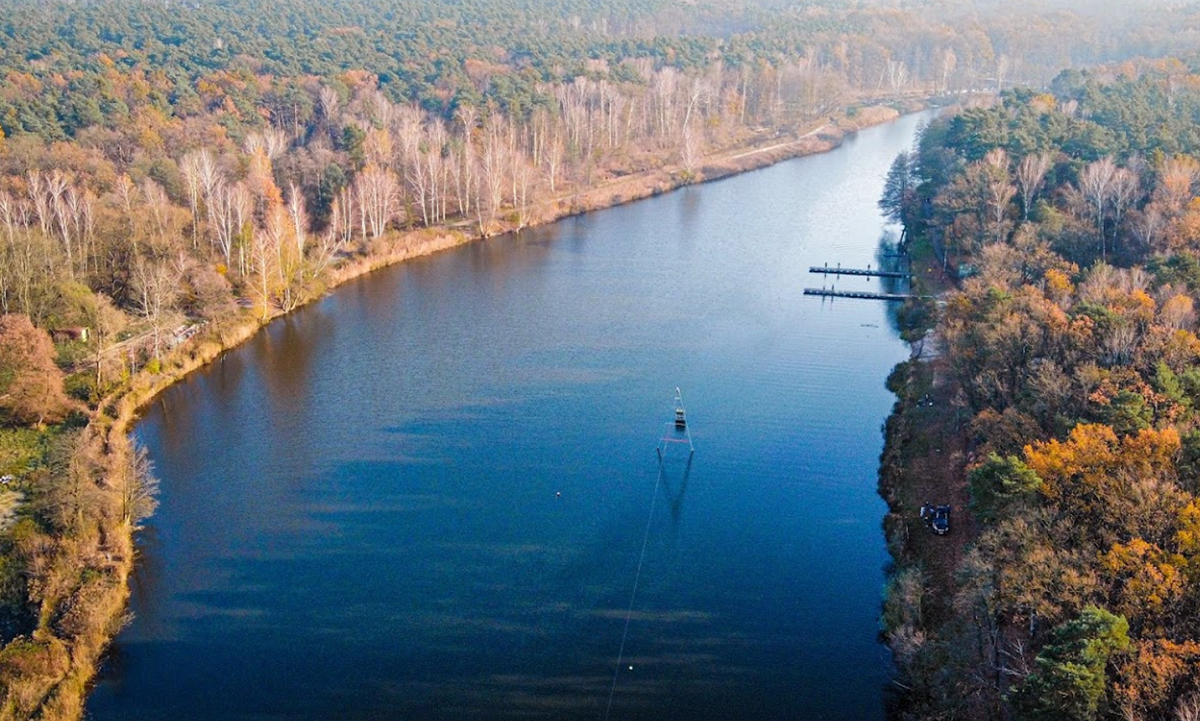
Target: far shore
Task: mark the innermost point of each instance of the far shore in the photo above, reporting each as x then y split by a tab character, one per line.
818	137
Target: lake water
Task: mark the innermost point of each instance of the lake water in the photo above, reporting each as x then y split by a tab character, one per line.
425	497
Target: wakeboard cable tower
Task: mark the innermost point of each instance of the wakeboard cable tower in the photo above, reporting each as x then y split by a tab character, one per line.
677	430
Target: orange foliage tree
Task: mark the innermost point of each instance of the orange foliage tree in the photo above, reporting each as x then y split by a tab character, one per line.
31	385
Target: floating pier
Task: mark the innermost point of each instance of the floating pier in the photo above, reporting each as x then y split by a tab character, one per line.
865	295
871	272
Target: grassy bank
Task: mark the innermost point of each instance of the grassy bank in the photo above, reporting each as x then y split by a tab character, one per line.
81	591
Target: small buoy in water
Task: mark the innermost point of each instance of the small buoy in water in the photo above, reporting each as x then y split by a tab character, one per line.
558	495
631	668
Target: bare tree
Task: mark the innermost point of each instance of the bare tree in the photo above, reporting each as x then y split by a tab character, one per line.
272	141
433	143
138	485
663	91
298	215
464	161
126	195
56	211
14	214
200	175
158	213
493	165
1003	64
699	91
330	105
63	211
1148	225
27	261
1096	184
155	287
241	207
265	244
41	197
897	75
999	192
614	105
334	240
1125	190
85	210
341	219
382	109
1031	173
105	321
523	181
408	123
552	157
375	195
948	63
218	207
691	149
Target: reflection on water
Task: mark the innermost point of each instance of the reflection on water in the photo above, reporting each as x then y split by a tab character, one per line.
424	497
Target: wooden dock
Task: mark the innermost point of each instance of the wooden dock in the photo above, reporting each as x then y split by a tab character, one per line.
865	295
874	273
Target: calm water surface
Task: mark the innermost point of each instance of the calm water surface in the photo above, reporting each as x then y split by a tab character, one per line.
361	514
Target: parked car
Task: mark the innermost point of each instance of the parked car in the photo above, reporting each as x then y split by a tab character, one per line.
941	520
937	518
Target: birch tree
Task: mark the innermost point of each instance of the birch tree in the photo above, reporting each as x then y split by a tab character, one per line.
155	286
375	196
1031	173
1096	183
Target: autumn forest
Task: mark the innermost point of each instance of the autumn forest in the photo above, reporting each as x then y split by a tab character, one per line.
1067	377
173	175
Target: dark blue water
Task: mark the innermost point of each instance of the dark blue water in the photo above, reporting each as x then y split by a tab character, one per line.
425	496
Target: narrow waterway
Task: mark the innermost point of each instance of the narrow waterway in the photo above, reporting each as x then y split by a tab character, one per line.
424	497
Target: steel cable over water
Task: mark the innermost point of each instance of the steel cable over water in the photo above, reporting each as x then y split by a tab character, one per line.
637	577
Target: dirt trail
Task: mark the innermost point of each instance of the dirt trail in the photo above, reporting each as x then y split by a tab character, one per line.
776	146
936	474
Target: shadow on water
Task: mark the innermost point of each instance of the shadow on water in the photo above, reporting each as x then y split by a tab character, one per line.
675	492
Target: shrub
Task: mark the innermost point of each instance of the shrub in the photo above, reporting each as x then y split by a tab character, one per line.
82	387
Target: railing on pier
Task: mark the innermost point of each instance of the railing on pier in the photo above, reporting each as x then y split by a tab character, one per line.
865	295
872	272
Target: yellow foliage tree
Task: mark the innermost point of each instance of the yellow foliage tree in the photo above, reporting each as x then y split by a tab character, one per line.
1115	488
1150	583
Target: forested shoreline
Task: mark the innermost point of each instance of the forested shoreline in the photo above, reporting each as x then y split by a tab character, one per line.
173	175
1058	409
